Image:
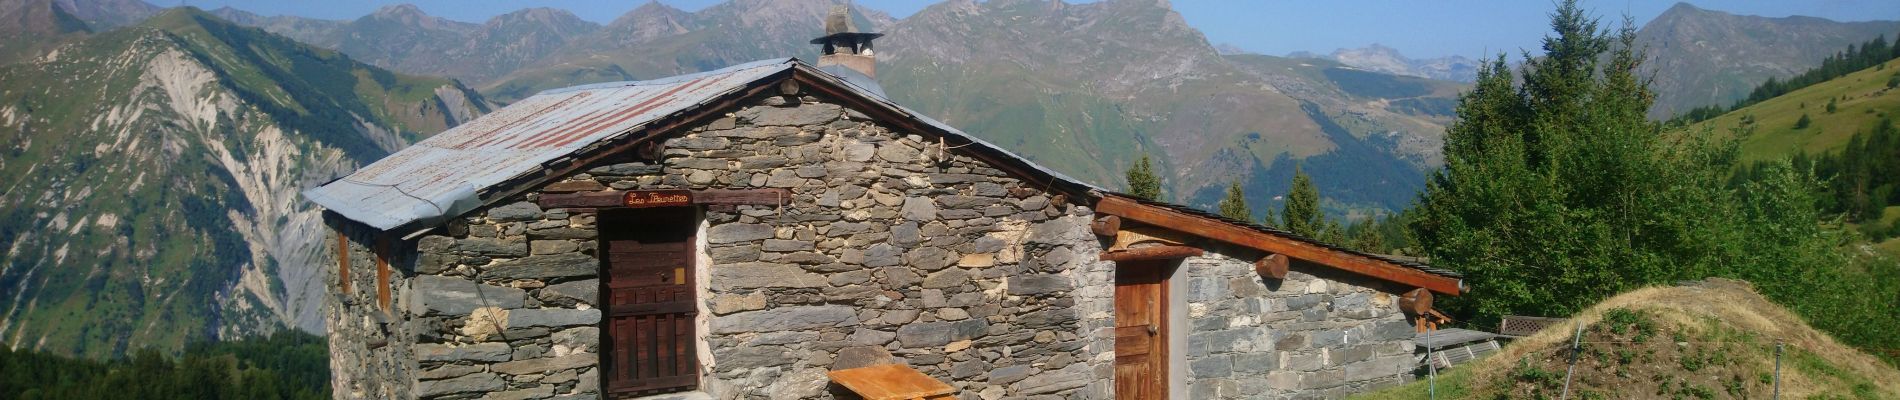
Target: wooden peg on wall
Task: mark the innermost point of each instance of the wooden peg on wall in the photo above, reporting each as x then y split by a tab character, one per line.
1416	302
1106	226
1271	266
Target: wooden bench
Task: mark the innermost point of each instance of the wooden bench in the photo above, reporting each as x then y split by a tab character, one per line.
891	382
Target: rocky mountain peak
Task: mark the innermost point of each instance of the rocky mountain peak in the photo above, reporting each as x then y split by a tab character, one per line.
648	21
1122	44
103	15
37	17
1705	57
409	16
542	19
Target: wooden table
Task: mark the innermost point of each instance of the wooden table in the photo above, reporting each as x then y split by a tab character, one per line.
891	382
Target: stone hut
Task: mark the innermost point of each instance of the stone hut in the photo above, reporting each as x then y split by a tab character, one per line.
742	232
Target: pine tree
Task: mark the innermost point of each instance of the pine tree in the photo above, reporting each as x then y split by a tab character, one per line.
1301	215
1558	191
1142	181
1333	233
1803	122
1368	238
1234	205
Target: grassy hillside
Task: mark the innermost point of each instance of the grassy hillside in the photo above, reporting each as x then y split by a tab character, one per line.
1709	340
1774	128
1769	129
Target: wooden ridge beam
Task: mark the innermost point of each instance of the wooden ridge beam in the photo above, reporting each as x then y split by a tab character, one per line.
1239	235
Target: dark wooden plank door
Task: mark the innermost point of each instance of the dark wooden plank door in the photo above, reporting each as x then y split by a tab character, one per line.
1141	330
647	344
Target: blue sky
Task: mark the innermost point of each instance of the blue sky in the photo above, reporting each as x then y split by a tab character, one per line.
1419	29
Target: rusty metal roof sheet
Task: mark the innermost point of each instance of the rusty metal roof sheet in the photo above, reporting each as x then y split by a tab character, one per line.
441	175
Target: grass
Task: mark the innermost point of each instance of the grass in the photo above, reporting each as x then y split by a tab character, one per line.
1452	383
1861	98
1712	340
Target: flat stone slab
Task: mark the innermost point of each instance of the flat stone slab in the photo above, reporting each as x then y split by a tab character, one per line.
544	267
551	317
456	296
787	319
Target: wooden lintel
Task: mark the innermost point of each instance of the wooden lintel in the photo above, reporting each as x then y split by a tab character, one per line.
1239	235
1130	237
1152	253
617	198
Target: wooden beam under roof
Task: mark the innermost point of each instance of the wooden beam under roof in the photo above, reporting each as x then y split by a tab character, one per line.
1240	235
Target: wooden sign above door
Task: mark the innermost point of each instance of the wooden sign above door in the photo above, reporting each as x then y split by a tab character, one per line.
665	198
657	198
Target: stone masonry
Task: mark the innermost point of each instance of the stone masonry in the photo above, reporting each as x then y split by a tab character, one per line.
1302	337
892	249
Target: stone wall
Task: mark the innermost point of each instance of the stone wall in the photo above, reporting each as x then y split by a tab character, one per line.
1304	337
892	250
371	347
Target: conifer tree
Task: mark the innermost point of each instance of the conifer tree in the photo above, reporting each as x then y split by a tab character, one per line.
1368	239
1301	215
1234	205
1558	191
1333	234
1142	181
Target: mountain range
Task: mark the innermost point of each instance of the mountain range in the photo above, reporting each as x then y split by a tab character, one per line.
1113	78
153	173
1702	57
1380	58
1697	57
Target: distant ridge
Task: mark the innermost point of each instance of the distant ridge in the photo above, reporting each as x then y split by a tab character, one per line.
1702	57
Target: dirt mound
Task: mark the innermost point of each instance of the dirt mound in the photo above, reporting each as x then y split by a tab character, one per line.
1712	339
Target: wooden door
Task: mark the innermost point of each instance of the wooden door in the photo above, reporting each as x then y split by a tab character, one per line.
647	343
1141	330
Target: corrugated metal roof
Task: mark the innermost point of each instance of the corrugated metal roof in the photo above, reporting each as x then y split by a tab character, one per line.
440	176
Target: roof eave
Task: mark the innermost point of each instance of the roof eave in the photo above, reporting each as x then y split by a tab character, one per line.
1298	248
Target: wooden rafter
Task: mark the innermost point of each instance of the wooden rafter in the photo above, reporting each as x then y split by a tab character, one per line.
1239	235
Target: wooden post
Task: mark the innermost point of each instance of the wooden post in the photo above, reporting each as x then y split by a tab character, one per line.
1272	266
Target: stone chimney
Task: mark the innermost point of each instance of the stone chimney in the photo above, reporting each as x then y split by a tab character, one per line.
844	46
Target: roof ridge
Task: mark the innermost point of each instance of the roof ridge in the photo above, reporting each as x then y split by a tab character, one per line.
673	79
